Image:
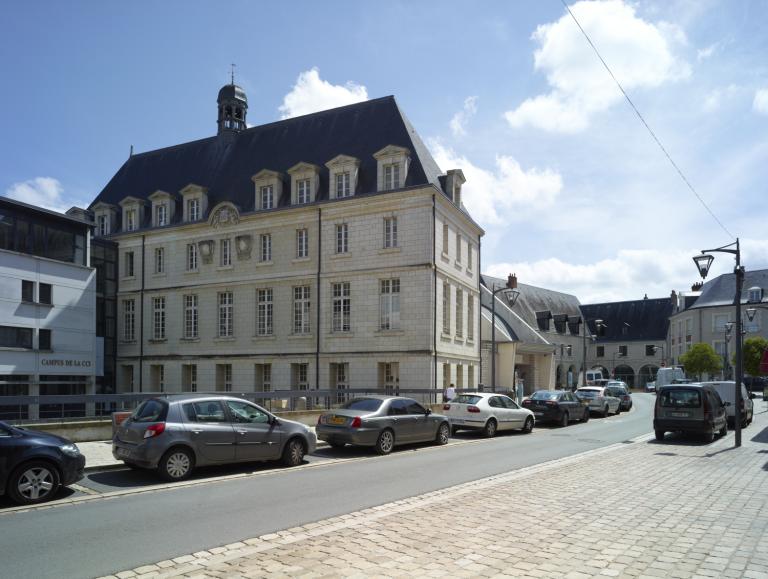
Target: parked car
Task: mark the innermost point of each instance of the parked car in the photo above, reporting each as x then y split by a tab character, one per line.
559	406
177	433
382	422
727	391
694	407
599	400
756	383
488	412
650	386
35	465
619	390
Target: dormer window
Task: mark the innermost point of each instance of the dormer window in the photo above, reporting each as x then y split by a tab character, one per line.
392	167
305	183
102	222
162	208
755	295
342	176
267	197
104	214
193	209
454	180
131	221
195	202
161	215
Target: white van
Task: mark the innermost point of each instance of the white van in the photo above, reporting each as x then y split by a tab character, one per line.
593	376
666	376
727	391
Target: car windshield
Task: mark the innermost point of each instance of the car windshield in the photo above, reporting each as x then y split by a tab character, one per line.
545	395
679	398
150	411
466	399
368	404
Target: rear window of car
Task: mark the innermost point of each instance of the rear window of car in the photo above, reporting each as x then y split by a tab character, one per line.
679	398
466	399
544	395
150	411
587	393
369	404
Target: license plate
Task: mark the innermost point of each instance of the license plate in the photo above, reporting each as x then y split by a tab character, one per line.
679	414
338	420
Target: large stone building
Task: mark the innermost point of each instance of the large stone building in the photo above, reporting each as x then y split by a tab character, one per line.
326	251
708	317
48	312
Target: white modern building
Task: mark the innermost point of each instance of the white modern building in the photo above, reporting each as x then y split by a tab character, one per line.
326	251
48	341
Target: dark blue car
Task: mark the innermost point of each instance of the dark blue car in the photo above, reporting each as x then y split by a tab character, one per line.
35	465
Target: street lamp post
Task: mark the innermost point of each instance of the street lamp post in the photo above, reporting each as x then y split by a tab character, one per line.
613	369
727	338
663	357
598	325
515	294
703	262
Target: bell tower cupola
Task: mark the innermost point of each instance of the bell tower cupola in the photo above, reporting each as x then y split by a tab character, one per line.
233	106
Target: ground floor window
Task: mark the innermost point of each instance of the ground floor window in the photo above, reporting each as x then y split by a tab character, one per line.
189	378
224	377
14	385
51	385
340	381
389	377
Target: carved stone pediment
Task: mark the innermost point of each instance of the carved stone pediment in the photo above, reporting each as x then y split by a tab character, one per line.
243	245
224	214
206	250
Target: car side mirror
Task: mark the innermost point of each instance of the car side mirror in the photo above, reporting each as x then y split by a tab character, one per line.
429	411
752	396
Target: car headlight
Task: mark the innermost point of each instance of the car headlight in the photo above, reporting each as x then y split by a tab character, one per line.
70	450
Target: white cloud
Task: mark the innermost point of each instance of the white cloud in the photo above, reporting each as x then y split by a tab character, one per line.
705	53
311	94
715	98
760	103
460	119
45	192
495	197
639	53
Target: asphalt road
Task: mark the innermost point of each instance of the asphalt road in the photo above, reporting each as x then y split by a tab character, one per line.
152	522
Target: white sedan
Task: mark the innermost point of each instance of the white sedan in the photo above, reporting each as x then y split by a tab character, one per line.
487	412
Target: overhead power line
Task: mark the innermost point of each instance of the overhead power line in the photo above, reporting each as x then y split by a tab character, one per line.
645	123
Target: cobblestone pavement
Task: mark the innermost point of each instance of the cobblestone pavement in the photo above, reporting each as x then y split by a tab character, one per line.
674	509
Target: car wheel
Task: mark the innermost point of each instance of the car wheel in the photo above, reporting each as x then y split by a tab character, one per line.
34	482
176	464
443	433
564	419
489	430
659	434
709	436
586	416
528	426
386	442
724	429
293	453
606	411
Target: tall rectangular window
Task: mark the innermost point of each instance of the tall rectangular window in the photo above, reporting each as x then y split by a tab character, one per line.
27	291
265	247
392	176
226	321
129	320
45	294
263	375
446	308
267	198
459	312
190	317
130	220
44	340
302	191
301	308
158	318
470	318
389	375
193	214
13	337
340	381
302	243
161	215
224	377
103	225
191	257
342	238
157	376
129	263
342	185
341	307
469	256
458	247
189	378
390	232
300	376
225	255
264	312
159	259
471	377
389	304
445	238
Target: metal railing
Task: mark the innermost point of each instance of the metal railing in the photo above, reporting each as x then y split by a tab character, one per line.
70	408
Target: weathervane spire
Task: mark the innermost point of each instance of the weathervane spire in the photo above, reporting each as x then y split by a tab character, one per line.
232	73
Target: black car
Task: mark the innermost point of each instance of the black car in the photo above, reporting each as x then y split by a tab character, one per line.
559	406
34	465
756	383
620	392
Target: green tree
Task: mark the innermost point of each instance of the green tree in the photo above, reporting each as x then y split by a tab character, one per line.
701	358
753	352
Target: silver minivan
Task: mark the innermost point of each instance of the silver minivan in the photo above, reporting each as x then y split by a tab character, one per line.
176	433
727	391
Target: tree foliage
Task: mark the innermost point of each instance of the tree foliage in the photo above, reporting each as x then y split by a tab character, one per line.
701	358
753	352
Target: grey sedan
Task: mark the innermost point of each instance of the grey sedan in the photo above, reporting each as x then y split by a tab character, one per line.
382	422
176	433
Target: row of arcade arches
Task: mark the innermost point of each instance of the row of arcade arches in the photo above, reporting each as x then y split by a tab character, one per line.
569	375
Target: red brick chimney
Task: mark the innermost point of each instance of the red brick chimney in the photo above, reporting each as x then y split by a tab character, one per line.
512	281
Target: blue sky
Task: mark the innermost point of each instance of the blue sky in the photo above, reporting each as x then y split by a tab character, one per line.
572	191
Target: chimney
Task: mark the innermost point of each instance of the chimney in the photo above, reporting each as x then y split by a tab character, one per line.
512	281
696	287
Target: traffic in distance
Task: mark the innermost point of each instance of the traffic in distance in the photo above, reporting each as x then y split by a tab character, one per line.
173	435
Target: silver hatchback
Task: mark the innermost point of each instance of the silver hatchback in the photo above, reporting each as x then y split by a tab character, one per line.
176	433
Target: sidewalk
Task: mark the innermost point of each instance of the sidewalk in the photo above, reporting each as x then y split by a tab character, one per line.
673	509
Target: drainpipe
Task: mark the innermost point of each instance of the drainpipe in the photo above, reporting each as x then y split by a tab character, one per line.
479	312
319	267
434	305
141	317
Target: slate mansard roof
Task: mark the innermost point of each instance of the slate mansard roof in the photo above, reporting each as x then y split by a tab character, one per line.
721	290
225	164
648	319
